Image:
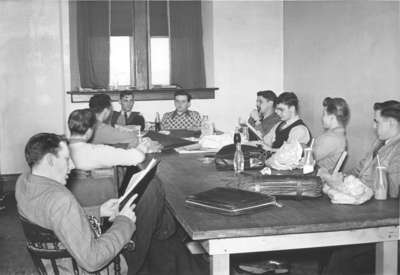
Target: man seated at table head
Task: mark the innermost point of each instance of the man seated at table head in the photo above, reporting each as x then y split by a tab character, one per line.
126	116
43	199
86	156
182	117
292	128
386	147
264	118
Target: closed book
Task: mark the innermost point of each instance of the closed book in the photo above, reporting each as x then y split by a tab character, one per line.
230	201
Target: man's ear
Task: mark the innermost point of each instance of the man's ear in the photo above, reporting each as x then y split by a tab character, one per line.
393	122
49	159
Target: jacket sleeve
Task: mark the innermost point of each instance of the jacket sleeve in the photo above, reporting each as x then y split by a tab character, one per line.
69	223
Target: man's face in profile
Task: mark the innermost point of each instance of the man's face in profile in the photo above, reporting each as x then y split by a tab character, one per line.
263	104
382	126
284	111
182	103
62	163
127	103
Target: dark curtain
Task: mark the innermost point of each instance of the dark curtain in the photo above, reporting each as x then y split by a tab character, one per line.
93	43
187	54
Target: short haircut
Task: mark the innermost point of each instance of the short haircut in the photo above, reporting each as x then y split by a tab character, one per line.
378	106
338	107
289	99
98	103
268	95
391	112
41	144
183	92
80	121
126	93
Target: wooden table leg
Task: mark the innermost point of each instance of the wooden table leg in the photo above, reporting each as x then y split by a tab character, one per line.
219	264
386	258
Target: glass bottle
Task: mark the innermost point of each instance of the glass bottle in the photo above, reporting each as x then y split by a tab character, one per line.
236	137
157	123
380	184
207	128
238	159
308	161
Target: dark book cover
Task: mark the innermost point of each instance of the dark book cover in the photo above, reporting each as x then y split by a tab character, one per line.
230	201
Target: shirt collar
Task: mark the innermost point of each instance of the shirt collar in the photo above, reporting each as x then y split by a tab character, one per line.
175	113
292	120
390	140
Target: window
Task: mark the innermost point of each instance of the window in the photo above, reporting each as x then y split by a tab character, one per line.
120	61
160	61
144	44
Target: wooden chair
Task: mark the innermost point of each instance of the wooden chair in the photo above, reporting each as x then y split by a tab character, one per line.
43	244
94	187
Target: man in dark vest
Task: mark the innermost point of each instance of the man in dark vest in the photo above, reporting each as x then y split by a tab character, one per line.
126	116
292	128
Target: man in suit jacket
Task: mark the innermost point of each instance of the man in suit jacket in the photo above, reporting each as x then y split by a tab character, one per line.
126	116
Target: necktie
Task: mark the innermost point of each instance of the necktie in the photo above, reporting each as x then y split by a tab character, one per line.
377	147
126	118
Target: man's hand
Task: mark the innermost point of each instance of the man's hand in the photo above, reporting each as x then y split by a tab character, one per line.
109	208
149	146
255	115
127	211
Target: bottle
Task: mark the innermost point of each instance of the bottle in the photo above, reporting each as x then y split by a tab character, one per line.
236	137
238	159
308	161
157	123
381	183
207	127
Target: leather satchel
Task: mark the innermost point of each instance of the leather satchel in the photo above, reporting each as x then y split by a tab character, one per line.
254	157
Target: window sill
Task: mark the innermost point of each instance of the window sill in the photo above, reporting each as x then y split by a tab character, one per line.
143	95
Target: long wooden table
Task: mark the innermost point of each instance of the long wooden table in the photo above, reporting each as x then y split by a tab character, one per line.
298	224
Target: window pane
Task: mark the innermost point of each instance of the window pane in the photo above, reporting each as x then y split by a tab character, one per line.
160	61
120	68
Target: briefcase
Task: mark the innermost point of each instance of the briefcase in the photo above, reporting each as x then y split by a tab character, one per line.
230	201
254	157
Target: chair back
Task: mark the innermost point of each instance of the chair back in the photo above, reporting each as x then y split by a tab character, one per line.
43	244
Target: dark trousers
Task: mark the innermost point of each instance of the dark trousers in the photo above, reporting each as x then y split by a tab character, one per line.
352	260
153	221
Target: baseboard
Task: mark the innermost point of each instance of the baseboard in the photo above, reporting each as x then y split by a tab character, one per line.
7	182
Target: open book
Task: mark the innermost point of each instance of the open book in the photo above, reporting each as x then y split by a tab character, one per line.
139	183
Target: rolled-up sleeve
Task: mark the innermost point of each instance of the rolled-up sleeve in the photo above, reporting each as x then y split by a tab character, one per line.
299	133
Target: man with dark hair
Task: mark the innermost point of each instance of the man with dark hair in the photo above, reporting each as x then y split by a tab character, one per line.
43	199
292	128
387	147
126	116
264	117
104	133
329	146
182	117
359	259
88	156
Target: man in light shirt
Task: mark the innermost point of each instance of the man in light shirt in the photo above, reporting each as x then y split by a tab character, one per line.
87	156
291	129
